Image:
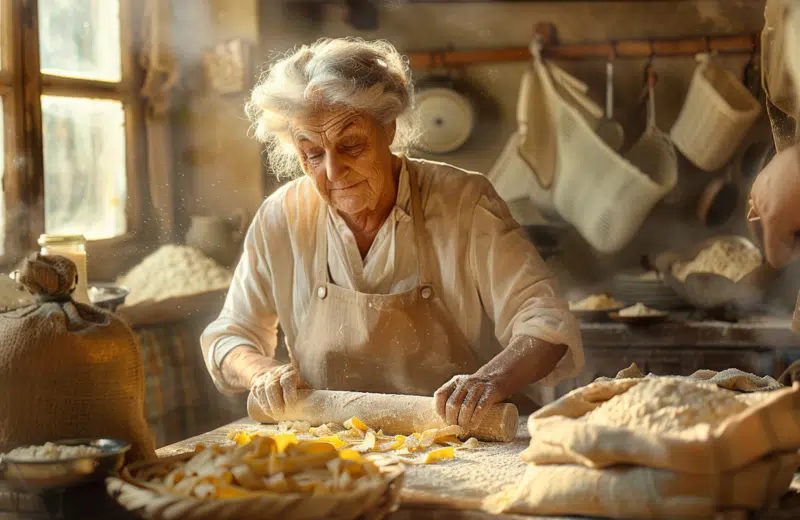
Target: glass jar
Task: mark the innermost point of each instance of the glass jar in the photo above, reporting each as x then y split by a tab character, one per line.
74	248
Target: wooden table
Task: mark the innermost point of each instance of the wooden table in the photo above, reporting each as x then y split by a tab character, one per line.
494	468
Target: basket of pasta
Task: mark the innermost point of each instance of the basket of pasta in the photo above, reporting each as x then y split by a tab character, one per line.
262	477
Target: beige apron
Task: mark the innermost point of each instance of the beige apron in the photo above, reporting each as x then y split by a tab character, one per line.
402	343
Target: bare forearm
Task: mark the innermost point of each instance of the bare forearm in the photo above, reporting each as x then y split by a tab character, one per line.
525	361
243	364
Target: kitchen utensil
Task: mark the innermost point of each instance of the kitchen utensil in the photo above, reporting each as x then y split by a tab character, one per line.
650	319
610	130
107	296
719	200
26	476
394	414
712	291
219	238
635	121
446	116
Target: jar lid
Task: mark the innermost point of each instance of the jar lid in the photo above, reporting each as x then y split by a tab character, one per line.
51	240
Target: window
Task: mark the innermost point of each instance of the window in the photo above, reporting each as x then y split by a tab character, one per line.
71	110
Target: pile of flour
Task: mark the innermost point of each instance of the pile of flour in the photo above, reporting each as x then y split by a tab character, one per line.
171	271
666	405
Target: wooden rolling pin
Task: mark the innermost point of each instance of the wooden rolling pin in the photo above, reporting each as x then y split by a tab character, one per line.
394	414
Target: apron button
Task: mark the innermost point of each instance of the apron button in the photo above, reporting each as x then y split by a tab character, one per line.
322	292
427	292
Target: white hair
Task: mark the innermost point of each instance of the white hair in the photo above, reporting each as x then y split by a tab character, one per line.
370	77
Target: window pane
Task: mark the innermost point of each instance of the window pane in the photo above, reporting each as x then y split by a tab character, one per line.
2	176
80	38
84	166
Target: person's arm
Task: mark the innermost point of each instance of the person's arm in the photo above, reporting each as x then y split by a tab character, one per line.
239	346
541	336
518	290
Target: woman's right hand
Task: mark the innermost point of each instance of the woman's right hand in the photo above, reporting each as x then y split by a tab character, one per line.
775	199
276	389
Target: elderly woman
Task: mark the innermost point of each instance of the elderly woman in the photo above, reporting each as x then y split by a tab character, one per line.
387	274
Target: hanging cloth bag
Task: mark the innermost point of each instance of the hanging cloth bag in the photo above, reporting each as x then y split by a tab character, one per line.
604	195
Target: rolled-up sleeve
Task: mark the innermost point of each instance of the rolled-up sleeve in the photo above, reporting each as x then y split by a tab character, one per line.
517	289
249	316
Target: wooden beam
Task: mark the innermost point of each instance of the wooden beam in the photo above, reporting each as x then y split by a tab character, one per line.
77	87
734	44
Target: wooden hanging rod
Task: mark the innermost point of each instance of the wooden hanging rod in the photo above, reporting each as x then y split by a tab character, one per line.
733	44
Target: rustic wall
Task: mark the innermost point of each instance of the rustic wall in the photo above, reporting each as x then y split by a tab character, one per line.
218	166
224	168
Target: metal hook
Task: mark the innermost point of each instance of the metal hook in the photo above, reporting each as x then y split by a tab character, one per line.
649	74
753	48
613	53
708	44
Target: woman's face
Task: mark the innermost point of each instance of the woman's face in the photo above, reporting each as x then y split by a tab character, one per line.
348	156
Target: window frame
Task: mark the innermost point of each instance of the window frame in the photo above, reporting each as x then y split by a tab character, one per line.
22	82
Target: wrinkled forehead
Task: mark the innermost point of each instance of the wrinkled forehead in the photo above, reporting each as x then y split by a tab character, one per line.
330	122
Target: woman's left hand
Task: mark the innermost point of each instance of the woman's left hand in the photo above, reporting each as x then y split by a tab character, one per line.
465	399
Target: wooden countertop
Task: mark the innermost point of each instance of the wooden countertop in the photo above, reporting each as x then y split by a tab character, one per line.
496	467
759	333
488	467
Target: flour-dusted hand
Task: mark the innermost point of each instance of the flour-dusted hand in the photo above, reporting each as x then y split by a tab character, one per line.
276	390
465	399
775	199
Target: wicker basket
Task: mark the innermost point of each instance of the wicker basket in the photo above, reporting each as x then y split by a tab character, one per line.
151	503
716	116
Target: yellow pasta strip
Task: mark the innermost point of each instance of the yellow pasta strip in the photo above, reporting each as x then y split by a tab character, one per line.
355	422
368	444
283	440
333	440
350	455
440	454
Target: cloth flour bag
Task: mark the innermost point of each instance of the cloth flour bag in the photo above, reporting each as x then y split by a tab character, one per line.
68	370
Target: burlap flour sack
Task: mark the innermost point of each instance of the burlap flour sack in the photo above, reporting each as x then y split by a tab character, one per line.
68	370
667	423
637	492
